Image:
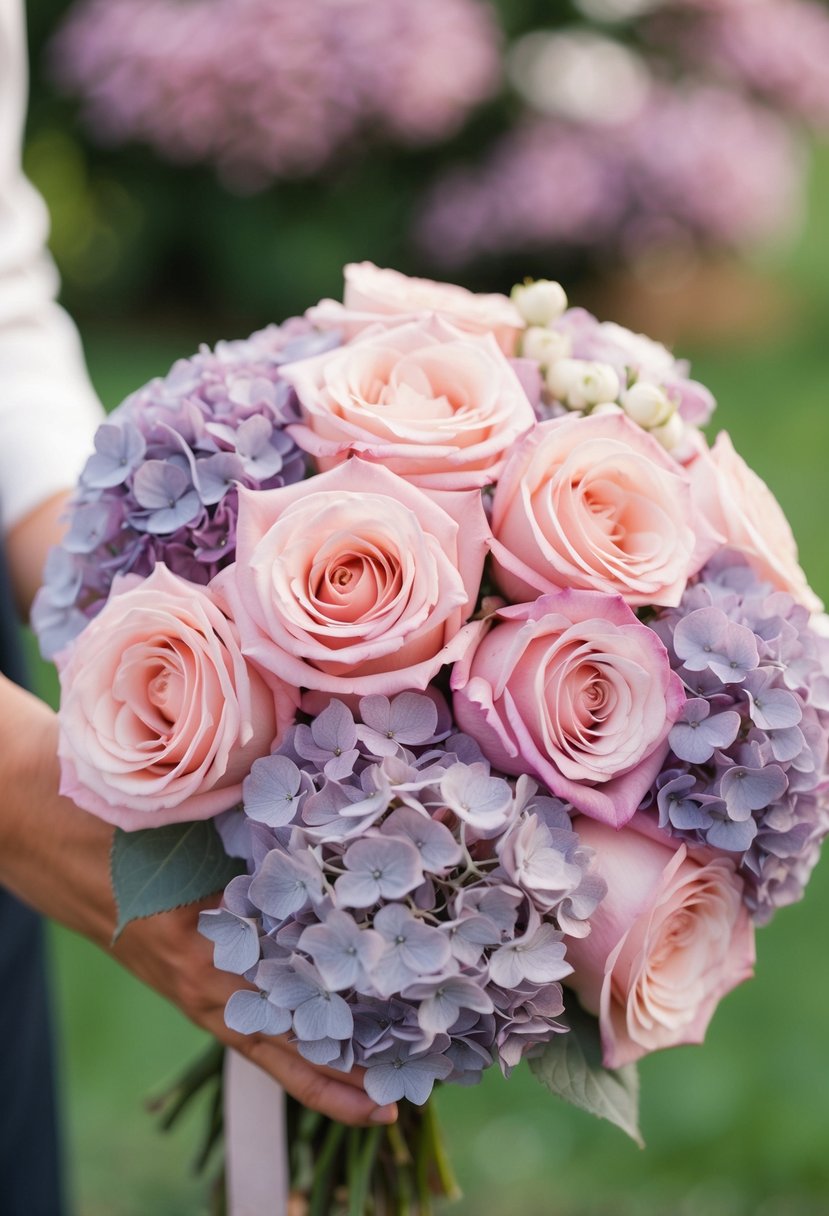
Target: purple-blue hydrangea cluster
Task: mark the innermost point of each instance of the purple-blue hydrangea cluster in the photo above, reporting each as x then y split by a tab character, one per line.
161	484
404	909
747	770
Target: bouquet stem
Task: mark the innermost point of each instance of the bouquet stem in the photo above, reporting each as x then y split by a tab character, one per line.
380	1171
434	1158
335	1170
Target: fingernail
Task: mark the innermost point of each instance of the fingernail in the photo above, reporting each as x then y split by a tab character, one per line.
383	1114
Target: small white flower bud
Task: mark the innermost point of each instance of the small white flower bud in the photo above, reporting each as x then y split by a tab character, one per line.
819	621
545	345
671	433
578	384
606	407
540	302
647	404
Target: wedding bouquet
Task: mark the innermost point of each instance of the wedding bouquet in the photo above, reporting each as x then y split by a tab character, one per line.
431	629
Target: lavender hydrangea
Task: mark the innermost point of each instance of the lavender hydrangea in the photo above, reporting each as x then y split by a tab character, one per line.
411	907
747	772
161	484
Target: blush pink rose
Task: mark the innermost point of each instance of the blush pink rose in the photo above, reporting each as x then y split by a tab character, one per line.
161	717
742	507
374	296
671	937
436	406
576	691
595	503
356	582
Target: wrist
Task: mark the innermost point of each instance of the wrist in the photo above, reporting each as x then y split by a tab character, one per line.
53	855
28	768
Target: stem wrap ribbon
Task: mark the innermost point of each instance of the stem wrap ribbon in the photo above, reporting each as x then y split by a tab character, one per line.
255	1148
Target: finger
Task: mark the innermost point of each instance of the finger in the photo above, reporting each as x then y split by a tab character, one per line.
223	985
355	1077
341	1095
222	988
317	1087
338	1095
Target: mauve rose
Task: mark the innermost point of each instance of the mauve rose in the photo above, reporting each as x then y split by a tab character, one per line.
670	938
373	295
438	407
595	503
356	582
161	716
576	691
742	507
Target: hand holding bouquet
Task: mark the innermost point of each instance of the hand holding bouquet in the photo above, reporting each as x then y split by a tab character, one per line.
433	629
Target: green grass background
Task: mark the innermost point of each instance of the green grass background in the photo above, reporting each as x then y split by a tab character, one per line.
739	1127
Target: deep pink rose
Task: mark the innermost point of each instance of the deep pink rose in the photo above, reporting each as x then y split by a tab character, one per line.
438	407
575	690
161	717
742	507
387	297
670	938
356	581
595	503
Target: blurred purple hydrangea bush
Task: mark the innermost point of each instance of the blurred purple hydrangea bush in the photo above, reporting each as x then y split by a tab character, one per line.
266	89
448	135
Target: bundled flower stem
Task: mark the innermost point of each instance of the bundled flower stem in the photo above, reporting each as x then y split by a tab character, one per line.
396	1170
334	1170
384	1171
204	1075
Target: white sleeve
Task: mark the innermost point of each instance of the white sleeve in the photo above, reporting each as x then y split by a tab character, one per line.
48	408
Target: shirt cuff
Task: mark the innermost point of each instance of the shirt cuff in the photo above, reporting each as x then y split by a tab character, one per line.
48	417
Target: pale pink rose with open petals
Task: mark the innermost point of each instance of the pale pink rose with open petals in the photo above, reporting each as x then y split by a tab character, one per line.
742	507
374	295
670	939
356	582
576	691
161	716
596	503
438	407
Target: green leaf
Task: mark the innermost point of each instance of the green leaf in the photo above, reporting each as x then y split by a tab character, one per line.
157	869
571	1067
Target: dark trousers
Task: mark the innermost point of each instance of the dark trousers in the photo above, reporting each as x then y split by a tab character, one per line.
29	1164
29	1158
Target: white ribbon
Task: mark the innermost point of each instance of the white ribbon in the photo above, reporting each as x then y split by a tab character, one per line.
255	1146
